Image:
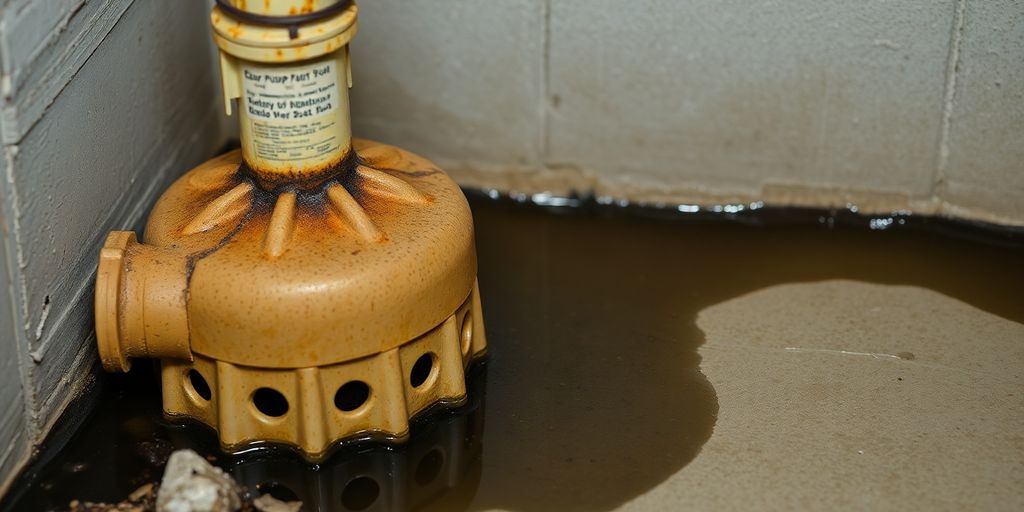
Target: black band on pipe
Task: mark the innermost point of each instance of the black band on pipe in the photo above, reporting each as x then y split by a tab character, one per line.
291	22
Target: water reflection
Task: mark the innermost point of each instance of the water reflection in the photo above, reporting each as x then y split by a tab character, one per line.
125	443
437	469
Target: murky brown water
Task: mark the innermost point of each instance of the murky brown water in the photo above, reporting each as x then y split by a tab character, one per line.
592	393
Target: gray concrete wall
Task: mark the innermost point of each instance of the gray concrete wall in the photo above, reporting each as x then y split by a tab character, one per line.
104	102
887	105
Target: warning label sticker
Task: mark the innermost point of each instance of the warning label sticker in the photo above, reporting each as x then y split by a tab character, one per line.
290	110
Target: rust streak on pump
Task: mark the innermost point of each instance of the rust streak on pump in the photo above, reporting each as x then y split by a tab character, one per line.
306	261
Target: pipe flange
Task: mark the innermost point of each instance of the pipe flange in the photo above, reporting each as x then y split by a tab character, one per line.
109	276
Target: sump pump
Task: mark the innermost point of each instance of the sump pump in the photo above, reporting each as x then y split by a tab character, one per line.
309	287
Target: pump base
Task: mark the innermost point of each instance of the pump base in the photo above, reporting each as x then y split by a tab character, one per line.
301	317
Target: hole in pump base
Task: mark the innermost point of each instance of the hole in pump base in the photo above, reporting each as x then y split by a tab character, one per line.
270	402
351	396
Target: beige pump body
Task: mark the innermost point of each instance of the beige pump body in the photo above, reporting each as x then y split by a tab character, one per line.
309	287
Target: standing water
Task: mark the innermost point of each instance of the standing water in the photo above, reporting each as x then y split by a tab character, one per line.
592	393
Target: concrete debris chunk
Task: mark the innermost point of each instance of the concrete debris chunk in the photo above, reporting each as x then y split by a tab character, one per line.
268	503
191	484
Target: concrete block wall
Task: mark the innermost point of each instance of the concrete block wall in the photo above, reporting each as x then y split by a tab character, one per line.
982	163
883	104
104	102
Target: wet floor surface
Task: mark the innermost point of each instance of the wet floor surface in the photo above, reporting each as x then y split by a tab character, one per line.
592	393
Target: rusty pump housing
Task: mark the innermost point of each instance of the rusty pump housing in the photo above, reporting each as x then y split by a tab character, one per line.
307	288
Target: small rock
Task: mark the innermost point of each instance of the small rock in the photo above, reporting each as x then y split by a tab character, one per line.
268	503
191	484
155	451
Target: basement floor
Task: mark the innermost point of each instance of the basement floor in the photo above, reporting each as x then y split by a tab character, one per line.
647	359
